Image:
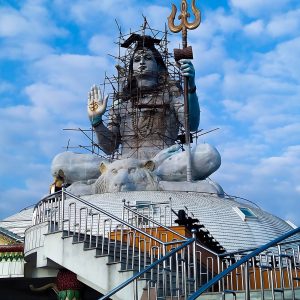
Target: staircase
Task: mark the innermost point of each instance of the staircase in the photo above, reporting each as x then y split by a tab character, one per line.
271	270
100	271
141	256
72	233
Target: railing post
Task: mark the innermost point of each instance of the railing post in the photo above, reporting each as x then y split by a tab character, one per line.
123	209
164	275
194	231
62	208
170	201
135	283
219	262
280	267
247	280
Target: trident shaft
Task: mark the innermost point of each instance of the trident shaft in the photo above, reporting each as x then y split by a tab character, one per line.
186	52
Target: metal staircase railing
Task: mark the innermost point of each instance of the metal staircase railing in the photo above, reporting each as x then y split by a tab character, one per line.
275	261
182	257
174	285
147	222
138	241
100	229
165	270
159	212
136	248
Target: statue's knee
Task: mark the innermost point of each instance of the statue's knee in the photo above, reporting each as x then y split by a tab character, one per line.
206	159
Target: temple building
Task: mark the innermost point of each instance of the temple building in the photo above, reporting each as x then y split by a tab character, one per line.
139	217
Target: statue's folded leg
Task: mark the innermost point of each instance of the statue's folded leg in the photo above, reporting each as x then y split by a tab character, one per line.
205	160
76	167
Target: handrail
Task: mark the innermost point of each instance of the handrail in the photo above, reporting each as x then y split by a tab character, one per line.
134	277
241	251
47	197
155	222
169	229
241	261
118	219
289	242
136	228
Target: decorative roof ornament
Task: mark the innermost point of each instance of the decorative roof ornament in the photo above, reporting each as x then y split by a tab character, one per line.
141	40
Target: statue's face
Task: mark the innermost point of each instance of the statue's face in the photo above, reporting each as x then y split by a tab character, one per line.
145	68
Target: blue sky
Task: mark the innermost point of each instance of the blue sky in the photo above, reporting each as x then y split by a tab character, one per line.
248	72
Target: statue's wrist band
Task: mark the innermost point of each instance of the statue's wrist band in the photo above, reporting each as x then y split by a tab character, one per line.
96	122
192	90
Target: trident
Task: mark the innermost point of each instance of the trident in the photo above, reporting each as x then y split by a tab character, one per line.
186	52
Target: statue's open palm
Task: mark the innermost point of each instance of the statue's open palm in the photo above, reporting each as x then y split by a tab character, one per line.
96	104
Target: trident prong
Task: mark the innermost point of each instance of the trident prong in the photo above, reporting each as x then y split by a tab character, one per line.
184	15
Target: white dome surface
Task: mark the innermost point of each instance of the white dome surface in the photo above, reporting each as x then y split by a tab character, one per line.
18	222
218	215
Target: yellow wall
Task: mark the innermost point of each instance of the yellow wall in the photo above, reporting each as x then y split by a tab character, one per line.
5	240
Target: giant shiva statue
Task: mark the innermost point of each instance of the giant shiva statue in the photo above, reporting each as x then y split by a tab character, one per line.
141	131
145	122
148	117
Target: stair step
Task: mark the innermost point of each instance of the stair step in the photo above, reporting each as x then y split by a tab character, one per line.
129	258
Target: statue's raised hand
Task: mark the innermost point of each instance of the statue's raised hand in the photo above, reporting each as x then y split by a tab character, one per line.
96	105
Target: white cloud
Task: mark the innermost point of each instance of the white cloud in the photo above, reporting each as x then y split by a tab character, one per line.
209	81
286	134
240	149
232	106
214	24
64	81
278	166
282	62
268	181
157	15
252	96
209	59
265	86
101	44
257	7
255	28
27	50
279	25
285	24
5	86
89	12
22	197
25	31
11	23
30	21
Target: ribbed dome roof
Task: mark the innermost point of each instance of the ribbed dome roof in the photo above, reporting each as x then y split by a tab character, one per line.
18	222
219	215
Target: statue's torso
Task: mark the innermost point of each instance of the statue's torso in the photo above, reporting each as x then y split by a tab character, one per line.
148	124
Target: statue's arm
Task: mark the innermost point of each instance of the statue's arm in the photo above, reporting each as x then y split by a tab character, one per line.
108	137
187	69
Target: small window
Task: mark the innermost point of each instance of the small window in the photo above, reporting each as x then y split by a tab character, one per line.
140	204
245	213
